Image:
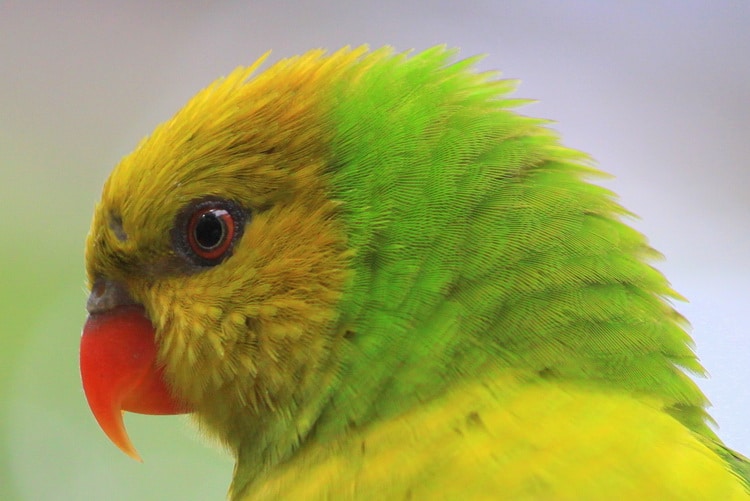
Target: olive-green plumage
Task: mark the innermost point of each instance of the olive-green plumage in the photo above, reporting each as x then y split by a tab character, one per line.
428	298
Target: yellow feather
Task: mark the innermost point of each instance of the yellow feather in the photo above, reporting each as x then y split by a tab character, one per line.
505	439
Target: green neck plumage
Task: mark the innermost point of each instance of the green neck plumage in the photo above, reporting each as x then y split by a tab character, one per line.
477	243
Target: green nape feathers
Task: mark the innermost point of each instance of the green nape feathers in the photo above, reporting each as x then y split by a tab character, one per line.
423	295
472	228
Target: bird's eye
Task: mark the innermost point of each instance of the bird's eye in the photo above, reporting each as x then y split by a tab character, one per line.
208	231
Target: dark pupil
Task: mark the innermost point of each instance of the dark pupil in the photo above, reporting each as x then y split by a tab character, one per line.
209	231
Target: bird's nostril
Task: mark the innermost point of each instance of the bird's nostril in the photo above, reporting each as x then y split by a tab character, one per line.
99	287
106	295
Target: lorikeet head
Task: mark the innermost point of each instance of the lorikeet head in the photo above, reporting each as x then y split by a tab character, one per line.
342	237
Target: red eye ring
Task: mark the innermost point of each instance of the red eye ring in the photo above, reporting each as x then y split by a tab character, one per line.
210	232
206	230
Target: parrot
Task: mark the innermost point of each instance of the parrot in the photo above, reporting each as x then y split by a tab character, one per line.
368	276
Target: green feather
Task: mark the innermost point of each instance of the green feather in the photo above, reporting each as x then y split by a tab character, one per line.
479	244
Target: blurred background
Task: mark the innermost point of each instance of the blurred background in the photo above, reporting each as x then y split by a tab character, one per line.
657	92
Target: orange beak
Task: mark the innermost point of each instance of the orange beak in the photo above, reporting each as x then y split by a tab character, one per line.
119	371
